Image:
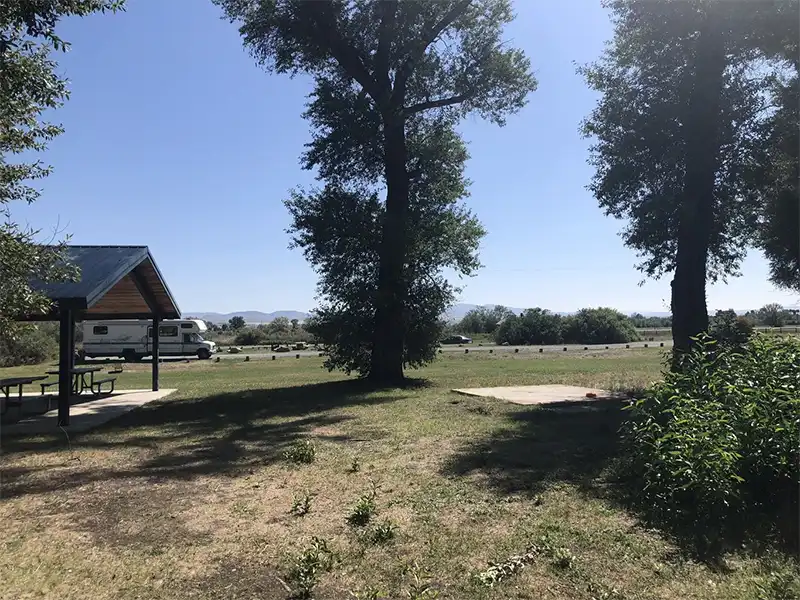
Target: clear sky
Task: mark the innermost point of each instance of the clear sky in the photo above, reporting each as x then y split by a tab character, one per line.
175	139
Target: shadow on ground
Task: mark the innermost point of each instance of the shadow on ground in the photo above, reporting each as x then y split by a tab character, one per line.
564	441
220	434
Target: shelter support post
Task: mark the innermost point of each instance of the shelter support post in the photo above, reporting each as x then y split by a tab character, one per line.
66	356
156	323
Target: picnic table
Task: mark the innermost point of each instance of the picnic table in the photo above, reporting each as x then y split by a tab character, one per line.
19	383
78	378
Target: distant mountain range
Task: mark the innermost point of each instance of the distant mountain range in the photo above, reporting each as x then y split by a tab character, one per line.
457	312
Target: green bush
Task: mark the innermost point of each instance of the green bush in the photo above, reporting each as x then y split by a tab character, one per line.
533	326
729	329
250	337
599	326
32	345
713	448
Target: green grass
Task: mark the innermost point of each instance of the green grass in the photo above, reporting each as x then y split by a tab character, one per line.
191	497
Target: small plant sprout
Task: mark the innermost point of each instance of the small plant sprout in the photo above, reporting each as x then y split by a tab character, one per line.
300	452
301	505
563	558
308	566
355	466
363	511
383	532
421	586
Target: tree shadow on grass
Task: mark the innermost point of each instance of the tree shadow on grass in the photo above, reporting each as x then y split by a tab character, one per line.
220	434
542	445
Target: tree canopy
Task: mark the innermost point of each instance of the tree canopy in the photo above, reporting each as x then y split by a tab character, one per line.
392	79
29	87
677	135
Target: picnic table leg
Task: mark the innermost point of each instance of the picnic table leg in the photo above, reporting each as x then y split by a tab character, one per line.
19	407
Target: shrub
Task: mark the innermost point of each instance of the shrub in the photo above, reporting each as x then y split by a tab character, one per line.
383	532
728	329
599	326
32	345
533	326
712	448
307	567
301	451
363	510
250	337
301	505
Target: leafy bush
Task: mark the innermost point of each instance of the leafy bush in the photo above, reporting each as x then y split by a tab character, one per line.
599	326
250	337
533	326
301	451
712	448
363	510
729	329
301	505
307	567
31	345
383	532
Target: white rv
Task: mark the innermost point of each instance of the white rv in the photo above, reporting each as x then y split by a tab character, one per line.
133	340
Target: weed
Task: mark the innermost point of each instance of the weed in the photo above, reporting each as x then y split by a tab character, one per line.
309	565
779	586
370	593
421	586
383	532
563	558
364	509
355	466
301	505
301	451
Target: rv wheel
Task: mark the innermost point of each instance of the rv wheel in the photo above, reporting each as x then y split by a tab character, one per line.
203	354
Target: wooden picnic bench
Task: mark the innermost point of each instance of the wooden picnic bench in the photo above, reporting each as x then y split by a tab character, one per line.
19	383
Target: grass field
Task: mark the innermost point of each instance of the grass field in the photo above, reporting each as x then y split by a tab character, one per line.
191	497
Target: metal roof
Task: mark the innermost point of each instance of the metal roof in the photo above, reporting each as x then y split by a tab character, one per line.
101	268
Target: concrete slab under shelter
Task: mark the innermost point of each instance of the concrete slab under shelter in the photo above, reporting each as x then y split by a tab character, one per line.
86	415
537	394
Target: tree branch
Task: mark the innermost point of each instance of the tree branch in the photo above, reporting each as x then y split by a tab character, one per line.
343	51
399	95
436	103
388	11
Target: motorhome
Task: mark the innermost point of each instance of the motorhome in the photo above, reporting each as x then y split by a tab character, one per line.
133	340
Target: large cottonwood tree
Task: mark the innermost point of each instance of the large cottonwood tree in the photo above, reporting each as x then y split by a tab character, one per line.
377	65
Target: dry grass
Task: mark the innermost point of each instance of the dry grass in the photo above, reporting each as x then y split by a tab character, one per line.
191	498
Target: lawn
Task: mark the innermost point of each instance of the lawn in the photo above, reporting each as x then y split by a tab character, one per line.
191	497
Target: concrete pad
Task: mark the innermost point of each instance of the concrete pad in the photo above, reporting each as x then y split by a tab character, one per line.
87	415
537	394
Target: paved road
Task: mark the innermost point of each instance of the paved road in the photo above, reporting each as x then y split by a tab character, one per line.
454	349
262	354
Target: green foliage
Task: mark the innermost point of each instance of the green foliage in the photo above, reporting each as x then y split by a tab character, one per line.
301	505
339	232
713	447
533	326
309	565
599	326
383	532
363	511
29	87
236	323
301	452
421	586
728	328
483	319
386	102
250	337
498	571
773	315
642	322
29	346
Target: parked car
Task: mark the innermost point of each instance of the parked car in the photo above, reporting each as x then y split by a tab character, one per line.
457	339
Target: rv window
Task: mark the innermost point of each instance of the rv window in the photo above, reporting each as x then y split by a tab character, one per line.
187	338
164	331
168	331
100	330
187	325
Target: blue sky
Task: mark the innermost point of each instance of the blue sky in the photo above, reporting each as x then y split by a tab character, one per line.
175	139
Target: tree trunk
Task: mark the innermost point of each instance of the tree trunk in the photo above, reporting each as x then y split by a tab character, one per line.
388	335
702	126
